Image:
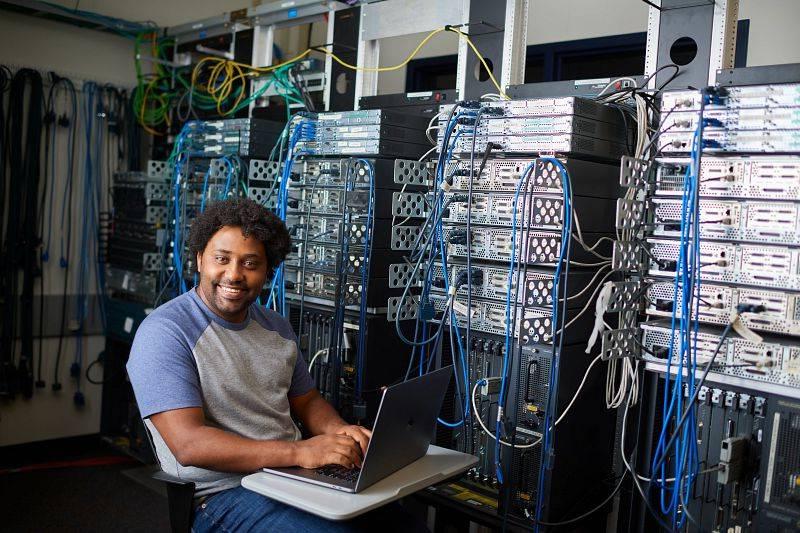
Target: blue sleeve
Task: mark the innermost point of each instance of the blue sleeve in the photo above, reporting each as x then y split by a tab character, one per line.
162	369
302	382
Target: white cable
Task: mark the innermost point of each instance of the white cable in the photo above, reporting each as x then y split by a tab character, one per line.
431	127
314	359
558	421
613	82
578	263
483	426
588	285
588	302
578	236
628	466
580	387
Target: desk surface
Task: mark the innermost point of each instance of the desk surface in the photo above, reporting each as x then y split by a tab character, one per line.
437	465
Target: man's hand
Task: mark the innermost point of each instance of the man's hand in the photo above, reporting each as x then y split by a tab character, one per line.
358	433
331	449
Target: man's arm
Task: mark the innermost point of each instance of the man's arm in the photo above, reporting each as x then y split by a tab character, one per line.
193	443
320	418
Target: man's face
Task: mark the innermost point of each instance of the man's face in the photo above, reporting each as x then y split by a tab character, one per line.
233	269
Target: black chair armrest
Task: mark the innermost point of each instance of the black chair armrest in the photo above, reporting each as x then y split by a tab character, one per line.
180	498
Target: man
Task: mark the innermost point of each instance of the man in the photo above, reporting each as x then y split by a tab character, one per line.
218	377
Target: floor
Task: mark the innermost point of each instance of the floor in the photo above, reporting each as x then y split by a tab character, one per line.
78	485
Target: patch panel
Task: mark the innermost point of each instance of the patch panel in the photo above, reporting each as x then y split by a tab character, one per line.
775	360
764	178
773	267
717	305
748	220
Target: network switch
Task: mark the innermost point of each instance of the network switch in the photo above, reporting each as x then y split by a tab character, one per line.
776	360
562	143
541	211
742	141
587	178
532	246
752	119
370	131
717	305
773	267
491	282
534	325
370	117
762	178
748	220
743	97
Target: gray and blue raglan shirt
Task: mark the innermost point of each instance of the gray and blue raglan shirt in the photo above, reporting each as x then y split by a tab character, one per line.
241	374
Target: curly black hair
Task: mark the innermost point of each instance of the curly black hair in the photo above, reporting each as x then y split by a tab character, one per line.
254	219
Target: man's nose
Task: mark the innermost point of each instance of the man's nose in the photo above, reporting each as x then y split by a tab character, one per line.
234	271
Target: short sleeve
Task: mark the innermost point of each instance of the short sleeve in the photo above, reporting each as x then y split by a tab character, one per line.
162	369
302	382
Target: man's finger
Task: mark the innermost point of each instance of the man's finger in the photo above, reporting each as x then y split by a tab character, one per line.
361	439
351	455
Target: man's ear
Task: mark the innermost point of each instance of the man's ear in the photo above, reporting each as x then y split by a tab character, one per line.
199	261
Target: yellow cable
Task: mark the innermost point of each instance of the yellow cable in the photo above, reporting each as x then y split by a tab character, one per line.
384	69
236	72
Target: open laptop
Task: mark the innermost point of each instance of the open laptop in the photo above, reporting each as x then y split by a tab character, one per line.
403	430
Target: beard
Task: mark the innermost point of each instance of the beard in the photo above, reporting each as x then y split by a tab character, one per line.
228	300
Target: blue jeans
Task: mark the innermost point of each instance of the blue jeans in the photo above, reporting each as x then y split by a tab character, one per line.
240	509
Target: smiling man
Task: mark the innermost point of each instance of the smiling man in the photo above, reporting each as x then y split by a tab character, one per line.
218	379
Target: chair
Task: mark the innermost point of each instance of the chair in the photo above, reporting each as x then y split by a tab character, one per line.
180	495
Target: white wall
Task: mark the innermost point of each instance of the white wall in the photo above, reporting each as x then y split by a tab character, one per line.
83	54
773	39
79	54
51	415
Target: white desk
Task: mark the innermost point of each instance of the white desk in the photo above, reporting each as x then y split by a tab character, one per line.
438	464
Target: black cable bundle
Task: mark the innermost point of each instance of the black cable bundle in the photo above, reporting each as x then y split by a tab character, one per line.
133	132
7	370
21	242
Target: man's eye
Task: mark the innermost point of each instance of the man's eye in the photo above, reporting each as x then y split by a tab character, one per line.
221	259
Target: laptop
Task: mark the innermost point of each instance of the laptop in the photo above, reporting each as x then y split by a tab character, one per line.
403	430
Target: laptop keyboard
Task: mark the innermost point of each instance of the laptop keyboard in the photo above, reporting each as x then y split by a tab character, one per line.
339	472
